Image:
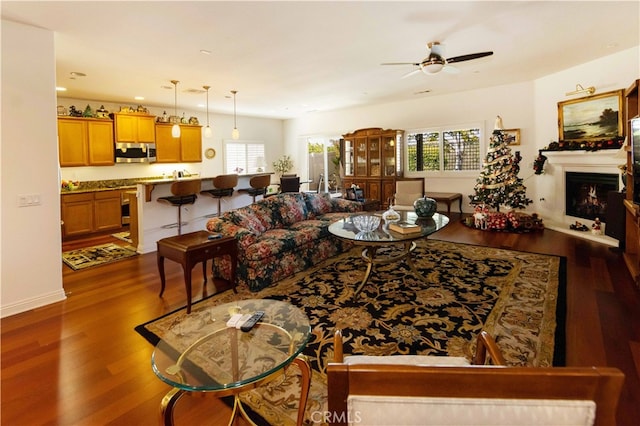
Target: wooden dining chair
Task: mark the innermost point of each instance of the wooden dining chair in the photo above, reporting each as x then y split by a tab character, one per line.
414	390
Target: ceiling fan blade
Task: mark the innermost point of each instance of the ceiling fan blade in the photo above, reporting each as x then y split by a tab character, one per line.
410	73
401	63
469	57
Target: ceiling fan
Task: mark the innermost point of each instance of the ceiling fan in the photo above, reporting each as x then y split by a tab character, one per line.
436	62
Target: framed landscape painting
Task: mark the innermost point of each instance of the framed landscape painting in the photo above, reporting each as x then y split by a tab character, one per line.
513	136
592	118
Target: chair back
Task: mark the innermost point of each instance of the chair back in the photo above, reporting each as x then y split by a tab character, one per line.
185	187
407	191
472	395
225	181
290	184
260	181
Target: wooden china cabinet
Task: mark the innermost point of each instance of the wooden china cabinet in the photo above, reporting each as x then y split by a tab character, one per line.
632	228
372	160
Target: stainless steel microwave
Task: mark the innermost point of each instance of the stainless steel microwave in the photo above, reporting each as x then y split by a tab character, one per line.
135	152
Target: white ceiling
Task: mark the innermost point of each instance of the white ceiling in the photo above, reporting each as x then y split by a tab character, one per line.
290	58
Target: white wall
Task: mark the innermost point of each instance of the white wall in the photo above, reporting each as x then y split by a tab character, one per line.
31	268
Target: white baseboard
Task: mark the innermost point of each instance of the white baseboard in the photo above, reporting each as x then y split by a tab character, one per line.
32	303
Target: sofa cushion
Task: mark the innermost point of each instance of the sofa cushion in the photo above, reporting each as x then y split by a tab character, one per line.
281	240
318	204
255	217
286	209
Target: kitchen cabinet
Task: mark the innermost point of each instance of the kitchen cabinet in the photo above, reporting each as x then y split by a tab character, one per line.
90	212
187	148
134	128
85	142
370	158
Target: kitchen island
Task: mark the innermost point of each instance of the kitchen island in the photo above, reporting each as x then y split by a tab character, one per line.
153	218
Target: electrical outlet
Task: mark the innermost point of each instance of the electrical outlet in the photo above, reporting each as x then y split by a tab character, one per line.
28	200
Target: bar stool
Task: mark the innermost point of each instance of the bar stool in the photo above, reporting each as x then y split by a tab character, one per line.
259	185
222	187
184	192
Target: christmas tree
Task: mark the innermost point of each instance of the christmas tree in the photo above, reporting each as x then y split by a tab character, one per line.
498	183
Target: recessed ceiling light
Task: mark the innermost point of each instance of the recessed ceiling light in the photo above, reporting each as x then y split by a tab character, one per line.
61	89
139	98
77	74
205	52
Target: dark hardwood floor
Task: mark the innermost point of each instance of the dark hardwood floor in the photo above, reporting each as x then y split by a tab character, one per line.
79	362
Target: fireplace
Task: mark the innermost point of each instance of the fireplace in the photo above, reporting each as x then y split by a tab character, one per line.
586	194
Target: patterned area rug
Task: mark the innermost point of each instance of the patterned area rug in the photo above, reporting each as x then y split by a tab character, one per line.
512	295
95	256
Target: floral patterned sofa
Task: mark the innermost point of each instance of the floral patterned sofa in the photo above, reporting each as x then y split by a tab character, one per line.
281	235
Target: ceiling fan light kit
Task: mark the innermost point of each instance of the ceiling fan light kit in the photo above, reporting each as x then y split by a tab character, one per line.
436	62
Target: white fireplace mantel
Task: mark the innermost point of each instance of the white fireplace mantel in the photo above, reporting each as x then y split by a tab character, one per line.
561	162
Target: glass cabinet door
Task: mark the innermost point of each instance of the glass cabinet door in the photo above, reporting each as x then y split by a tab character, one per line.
348	157
389	155
361	156
374	156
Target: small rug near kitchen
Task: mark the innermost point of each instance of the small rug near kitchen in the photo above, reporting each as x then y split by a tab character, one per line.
95	256
124	236
517	297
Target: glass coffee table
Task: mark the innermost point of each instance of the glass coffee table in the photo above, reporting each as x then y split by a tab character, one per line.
209	356
383	237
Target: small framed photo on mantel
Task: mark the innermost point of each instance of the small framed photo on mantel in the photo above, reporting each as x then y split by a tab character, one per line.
512	136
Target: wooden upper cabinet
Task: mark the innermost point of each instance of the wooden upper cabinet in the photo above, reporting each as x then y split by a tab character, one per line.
134	128
167	147
85	142
101	150
73	146
186	148
191	143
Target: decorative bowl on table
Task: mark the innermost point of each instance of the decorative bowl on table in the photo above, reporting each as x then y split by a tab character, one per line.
366	223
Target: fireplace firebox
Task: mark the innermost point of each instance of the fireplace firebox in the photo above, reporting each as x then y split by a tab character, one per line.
586	194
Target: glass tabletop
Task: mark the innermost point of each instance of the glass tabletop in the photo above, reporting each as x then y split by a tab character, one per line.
345	228
210	356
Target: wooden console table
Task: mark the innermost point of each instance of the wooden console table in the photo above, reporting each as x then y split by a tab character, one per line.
446	197
191	249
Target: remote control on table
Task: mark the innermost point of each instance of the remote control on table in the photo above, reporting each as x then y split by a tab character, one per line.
248	325
214	236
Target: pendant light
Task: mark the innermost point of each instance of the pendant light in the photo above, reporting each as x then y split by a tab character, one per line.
175	130
207	130
235	134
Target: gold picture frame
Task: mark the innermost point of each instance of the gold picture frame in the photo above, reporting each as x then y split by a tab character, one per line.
512	136
591	118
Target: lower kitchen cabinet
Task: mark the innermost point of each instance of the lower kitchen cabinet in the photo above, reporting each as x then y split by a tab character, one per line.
91	212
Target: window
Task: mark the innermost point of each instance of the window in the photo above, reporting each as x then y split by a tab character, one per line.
243	157
445	149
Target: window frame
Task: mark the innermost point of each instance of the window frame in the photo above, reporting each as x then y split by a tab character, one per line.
441	130
245	143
